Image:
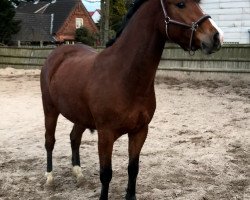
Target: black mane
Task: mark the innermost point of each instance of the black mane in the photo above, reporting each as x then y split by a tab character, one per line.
136	5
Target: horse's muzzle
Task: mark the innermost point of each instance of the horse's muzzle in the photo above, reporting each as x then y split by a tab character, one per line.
212	45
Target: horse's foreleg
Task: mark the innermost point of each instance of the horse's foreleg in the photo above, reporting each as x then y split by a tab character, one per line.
50	126
105	147
136	141
75	138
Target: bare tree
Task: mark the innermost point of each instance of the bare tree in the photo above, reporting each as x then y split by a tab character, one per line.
102	22
106	21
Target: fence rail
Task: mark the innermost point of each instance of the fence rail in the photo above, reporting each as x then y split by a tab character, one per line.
232	58
24	57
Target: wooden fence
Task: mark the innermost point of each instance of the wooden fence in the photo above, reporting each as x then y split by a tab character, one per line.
231	58
23	58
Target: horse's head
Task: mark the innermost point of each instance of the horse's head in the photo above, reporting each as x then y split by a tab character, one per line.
187	25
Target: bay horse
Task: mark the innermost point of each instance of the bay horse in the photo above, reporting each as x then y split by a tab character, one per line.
113	91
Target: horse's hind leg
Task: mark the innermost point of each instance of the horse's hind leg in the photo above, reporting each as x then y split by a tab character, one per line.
50	126
76	137
50	117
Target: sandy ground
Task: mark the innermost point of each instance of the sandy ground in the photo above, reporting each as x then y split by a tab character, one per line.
198	146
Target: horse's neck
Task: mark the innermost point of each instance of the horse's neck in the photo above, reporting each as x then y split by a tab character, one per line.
141	45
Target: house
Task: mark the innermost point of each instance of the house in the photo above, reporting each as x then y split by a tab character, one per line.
96	15
52	20
233	17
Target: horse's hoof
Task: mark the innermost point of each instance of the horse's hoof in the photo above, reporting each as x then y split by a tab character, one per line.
50	179
77	172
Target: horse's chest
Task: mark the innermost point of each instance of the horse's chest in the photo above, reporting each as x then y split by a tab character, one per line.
124	115
139	114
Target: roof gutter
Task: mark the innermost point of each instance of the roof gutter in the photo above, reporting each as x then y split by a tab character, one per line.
42	8
51	23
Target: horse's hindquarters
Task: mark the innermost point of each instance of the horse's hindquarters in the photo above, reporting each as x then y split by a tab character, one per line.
64	80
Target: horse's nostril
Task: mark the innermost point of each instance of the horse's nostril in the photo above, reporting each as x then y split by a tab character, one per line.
203	45
206	48
216	38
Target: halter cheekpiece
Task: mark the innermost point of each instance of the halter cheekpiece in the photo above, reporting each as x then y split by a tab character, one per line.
193	27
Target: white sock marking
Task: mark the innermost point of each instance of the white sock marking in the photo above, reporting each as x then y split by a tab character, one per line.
50	178
77	171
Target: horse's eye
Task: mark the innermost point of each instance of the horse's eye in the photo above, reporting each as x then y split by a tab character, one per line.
181	5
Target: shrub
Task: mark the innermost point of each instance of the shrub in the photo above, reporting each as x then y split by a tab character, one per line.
84	36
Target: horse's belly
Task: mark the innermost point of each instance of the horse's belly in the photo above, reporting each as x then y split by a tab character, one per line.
78	114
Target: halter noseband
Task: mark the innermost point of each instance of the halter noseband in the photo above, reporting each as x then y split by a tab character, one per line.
193	26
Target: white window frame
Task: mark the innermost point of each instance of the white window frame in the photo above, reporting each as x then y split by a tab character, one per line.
79	22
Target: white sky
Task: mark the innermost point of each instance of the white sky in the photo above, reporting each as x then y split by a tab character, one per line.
91	6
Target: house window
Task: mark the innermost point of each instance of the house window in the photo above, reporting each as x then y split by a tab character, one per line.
79	22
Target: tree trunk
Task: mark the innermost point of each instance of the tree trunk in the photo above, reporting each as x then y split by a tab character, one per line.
106	21
102	22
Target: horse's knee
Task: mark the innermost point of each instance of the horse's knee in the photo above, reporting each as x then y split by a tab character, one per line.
49	143
75	143
106	175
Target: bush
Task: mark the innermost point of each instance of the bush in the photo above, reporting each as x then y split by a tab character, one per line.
84	36
8	25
